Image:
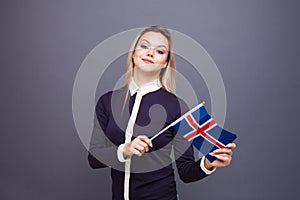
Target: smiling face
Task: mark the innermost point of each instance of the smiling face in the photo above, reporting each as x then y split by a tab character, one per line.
151	54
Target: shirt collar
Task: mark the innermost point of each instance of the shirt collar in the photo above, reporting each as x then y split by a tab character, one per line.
145	89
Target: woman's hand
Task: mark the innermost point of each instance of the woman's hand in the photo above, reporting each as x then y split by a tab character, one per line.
223	156
138	146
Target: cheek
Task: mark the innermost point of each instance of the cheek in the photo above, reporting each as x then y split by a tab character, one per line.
163	60
134	57
138	53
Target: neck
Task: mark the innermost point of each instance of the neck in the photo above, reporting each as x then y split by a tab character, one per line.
141	78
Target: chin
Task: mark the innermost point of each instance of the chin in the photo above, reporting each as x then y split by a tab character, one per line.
149	68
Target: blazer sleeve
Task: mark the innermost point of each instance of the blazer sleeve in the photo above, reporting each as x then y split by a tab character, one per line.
188	169
102	152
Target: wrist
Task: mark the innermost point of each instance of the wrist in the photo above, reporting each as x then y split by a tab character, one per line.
208	165
125	152
120	154
208	168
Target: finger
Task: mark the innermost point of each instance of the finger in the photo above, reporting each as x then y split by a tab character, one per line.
222	151
139	147
146	149
143	147
141	142
139	151
223	157
136	152
231	146
146	140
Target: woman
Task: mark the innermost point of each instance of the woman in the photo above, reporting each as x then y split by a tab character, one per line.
126	119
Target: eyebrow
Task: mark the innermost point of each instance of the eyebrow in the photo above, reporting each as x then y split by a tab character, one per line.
162	45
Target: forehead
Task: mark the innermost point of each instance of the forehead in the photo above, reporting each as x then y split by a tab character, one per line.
155	39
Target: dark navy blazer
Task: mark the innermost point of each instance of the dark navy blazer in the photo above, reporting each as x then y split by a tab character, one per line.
152	174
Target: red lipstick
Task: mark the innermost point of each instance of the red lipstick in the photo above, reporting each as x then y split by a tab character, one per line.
148	61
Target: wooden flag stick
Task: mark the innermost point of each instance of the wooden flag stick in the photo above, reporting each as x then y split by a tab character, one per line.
177	120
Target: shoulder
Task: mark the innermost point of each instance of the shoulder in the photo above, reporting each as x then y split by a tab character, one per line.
171	102
165	95
109	97
173	98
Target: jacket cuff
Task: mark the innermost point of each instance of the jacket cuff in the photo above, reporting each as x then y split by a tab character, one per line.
120	153
207	172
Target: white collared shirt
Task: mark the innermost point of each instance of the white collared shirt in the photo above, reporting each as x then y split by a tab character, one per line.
145	89
140	92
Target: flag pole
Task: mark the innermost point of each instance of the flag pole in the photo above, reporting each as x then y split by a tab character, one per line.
176	121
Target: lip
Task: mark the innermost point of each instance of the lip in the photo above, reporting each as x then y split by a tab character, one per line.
148	61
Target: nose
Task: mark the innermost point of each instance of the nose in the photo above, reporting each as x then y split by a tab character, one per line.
150	52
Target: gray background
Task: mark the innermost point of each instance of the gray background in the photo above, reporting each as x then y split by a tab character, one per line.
255	45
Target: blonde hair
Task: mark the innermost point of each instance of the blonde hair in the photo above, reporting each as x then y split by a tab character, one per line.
167	74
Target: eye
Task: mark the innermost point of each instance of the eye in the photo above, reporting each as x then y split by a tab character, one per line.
161	52
144	46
